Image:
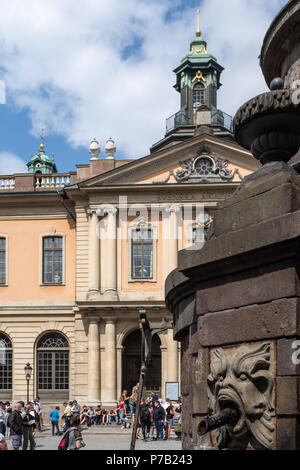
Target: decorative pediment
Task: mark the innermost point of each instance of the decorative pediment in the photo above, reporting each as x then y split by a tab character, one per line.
205	167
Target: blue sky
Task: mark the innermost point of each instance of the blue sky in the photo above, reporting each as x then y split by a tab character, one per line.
105	70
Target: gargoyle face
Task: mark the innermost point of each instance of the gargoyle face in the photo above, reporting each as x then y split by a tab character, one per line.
243	381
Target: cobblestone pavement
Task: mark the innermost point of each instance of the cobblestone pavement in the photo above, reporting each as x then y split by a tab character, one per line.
105	439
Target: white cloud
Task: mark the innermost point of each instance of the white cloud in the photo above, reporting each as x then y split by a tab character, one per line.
63	61
10	164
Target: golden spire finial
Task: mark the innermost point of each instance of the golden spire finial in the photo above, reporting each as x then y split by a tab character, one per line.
42	146
198	32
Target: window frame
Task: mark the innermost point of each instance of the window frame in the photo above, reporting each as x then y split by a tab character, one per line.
8	391
63	249
197	88
5	237
132	229
54	393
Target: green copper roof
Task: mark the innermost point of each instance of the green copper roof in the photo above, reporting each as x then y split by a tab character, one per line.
41	163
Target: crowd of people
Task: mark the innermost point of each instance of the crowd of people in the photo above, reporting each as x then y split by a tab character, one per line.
155	420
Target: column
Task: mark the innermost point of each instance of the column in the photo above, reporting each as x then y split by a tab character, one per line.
172	358
108	233
109	389
94	361
170	234
94	255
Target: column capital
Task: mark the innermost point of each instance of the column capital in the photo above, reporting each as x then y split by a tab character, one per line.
93	319
175	208
106	210
91	211
109	319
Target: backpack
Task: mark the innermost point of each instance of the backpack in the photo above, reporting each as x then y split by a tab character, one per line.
64	443
146	414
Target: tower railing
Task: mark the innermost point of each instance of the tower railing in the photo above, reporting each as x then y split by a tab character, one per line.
217	118
177	120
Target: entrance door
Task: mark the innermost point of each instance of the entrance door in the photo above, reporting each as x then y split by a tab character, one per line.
131	363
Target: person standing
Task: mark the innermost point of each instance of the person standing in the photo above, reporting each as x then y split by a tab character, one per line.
28	428
2	419
169	418
145	418
37	410
38	400
159	419
122	411
16	427
54	416
67	416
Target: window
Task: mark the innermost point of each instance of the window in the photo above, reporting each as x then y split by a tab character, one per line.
5	363
198	96
2	261
142	253
204	166
53	363
53	260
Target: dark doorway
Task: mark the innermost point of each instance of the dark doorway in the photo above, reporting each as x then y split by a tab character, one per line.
131	363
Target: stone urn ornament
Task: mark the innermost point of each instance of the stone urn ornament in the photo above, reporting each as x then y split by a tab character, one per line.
269	124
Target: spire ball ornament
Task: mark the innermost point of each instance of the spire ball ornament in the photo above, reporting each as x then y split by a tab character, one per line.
94	149
277	84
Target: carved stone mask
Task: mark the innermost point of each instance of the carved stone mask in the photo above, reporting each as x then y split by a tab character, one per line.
243	380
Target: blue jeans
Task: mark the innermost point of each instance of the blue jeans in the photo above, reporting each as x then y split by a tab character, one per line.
159	429
121	415
113	418
131	409
2	428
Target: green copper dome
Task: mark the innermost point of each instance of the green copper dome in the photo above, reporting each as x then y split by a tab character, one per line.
41	163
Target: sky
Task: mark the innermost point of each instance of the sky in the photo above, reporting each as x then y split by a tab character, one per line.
103	68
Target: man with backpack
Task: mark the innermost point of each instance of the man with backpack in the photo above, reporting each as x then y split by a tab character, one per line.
145	418
15	423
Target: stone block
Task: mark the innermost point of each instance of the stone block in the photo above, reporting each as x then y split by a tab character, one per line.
288	356
259	208
253	323
287	395
186	373
288	433
258	285
201	365
200	398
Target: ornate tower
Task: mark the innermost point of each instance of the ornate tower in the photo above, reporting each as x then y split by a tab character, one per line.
41	163
197	78
197	81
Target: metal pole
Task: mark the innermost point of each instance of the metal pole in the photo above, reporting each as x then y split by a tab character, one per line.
27	378
138	405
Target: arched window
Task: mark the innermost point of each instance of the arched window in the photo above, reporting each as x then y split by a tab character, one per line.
53	366
5	367
198	96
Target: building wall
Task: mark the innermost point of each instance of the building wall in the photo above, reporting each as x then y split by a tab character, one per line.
25	262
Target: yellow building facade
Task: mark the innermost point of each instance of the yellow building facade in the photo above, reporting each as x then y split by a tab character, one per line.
81	253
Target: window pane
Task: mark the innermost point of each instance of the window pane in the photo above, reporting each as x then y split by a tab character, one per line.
2	243
2	267
58	242
58	267
48	266
48	242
